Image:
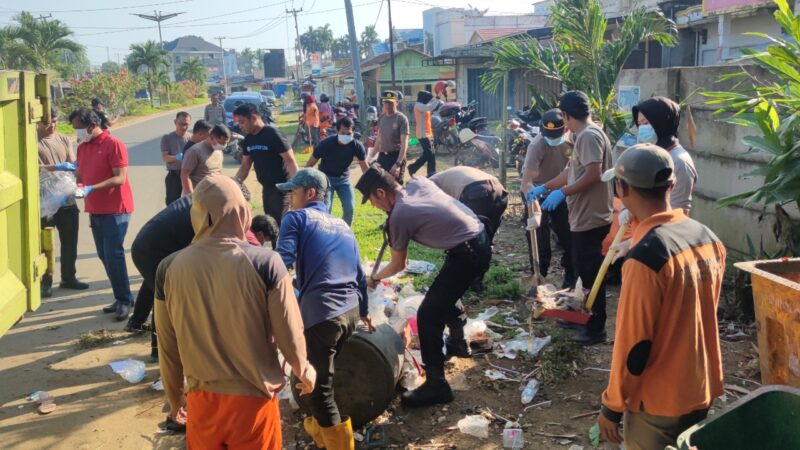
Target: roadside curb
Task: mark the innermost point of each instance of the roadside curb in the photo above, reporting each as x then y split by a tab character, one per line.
139	119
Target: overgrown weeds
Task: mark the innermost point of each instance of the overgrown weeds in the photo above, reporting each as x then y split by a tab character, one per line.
561	359
96	338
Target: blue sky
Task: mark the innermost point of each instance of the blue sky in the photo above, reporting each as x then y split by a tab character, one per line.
107	29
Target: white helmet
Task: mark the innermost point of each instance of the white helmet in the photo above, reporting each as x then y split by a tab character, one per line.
466	135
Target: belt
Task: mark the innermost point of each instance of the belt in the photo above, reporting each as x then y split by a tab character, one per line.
470	245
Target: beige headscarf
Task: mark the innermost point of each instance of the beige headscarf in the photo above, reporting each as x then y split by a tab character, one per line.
219	209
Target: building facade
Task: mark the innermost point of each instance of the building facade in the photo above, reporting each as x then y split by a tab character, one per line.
195	47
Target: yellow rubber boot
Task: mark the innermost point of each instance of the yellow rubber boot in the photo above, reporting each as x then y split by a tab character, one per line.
315	431
339	437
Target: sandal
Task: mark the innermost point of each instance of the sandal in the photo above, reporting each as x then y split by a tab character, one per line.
47	404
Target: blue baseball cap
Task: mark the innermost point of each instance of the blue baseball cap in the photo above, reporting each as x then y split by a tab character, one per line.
306	178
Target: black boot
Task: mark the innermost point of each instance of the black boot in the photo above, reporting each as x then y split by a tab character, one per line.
433	391
458	348
47	285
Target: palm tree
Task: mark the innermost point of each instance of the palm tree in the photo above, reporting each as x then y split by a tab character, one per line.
260	59
161	80
368	37
150	57
246	60
582	54
13	55
44	41
192	69
325	37
340	48
317	39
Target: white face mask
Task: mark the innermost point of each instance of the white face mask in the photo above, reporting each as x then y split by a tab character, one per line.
217	146
345	139
83	135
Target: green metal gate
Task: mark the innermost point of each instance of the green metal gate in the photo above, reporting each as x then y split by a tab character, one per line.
24	97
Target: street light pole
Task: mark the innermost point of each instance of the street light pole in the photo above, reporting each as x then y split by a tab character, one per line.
224	72
391	44
297	55
356	58
158	17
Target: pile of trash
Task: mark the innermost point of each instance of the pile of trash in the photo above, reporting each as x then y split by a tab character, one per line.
55	190
395	302
549	297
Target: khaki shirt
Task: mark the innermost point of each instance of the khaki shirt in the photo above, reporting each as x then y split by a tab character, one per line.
546	160
55	149
592	208
453	180
390	130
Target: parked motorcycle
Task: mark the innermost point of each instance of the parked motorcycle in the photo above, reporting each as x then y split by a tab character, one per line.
479	151
520	131
452	118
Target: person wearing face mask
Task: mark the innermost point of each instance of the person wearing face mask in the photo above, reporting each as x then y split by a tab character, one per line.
172	154
547	156
103	169
200	132
658	119
335	154
204	158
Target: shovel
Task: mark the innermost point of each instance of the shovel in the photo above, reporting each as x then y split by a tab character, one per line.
531	283
385	244
581	317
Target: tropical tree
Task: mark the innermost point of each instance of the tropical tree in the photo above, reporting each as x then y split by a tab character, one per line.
149	58
368	37
246	60
37	44
163	83
316	40
340	47
109	67
772	108
192	69
583	54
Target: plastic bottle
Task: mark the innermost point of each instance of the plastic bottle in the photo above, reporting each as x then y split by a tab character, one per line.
530	391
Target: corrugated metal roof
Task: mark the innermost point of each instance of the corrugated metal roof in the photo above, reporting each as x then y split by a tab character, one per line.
488	34
191	44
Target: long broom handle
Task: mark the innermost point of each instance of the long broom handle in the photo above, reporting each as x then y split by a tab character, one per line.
601	274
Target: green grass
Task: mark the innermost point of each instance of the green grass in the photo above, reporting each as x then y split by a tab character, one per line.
502	283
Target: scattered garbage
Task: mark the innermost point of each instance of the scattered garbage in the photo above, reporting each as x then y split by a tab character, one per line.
550	297
488	314
55	189
575	447
130	370
476	425
495	375
529	392
459	382
157	385
419	267
286	394
512	436
47	404
594	435
411	378
120	342
511	348
34	396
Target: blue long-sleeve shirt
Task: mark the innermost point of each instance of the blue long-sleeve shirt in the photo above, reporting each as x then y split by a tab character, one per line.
324	253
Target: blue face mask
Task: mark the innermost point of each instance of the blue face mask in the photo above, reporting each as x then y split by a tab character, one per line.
647	135
554	142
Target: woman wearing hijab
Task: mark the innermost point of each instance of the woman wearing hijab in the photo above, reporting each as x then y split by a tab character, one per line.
657	119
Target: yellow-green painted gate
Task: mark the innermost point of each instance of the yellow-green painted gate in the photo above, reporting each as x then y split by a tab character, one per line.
24	98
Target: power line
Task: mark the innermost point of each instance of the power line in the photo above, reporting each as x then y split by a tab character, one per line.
380	8
65	11
158	17
275	23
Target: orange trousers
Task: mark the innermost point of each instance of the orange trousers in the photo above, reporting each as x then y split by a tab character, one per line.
221	421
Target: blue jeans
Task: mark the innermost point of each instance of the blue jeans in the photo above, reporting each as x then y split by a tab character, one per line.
109	231
344	190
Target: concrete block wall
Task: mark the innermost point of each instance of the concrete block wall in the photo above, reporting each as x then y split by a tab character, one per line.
718	154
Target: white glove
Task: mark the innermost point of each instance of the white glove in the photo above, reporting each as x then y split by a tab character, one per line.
621	249
625	217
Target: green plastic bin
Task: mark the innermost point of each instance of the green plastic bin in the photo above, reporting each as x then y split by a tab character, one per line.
767	418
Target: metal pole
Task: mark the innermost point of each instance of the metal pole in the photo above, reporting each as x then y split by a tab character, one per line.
356	58
224	72
391	43
160	39
505	137
297	55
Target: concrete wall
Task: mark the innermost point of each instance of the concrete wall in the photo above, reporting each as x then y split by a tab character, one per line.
718	153
733	29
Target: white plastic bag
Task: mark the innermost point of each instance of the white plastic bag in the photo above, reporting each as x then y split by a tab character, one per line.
55	190
130	370
477	426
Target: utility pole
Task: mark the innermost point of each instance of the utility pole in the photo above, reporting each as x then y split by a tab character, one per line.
158	17
391	44
108	54
297	55
43	18
356	57
224	72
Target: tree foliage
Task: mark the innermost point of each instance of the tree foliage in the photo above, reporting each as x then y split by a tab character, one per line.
191	69
340	48
583	54
368	37
115	90
148	58
316	40
40	44
771	108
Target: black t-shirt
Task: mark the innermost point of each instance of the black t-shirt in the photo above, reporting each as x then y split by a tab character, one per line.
104	123
266	148
335	158
168	231
188	145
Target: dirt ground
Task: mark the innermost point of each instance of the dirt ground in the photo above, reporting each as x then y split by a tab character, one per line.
97	409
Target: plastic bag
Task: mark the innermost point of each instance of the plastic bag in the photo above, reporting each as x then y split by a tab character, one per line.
477	426
55	190
511	348
130	370
378	300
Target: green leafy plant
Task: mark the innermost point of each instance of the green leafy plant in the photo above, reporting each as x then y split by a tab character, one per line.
149	58
584	54
116	90
192	69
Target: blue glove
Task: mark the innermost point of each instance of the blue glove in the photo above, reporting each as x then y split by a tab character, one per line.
535	193
87	190
553	200
179	156
67	166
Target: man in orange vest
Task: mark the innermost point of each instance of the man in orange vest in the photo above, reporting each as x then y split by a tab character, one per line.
311	118
422	117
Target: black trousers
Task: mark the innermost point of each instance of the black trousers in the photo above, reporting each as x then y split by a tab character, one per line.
323	342
427	157
558	222
147	265
388	160
276	202
461	266
488	200
66	221
173	183
587	254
